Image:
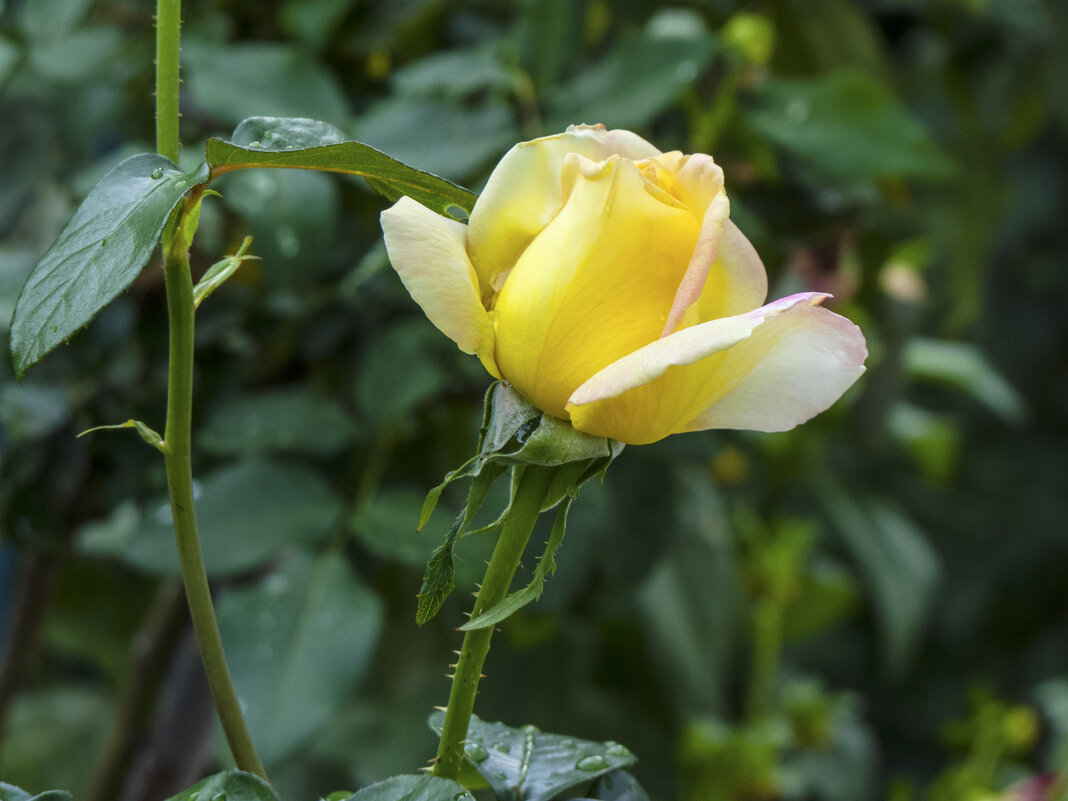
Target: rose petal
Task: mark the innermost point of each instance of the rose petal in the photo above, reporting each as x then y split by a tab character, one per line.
737	281
597	282
704	255
524	193
429	254
767	370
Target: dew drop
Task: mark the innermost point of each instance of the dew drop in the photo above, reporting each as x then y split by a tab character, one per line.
194	796
530	728
219	797
461	796
617	750
266	135
54	328
500	775
156	174
591	763
503	747
476	752
256	145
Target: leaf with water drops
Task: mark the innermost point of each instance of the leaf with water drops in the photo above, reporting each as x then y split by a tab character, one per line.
413	788
526	764
298	143
101	251
617	786
9	792
230	785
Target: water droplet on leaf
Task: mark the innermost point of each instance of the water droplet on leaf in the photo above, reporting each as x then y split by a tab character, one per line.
476	752
219	797
591	763
617	750
503	747
157	174
256	145
530	728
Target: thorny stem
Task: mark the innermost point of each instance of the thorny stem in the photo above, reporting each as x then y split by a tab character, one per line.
178	454
515	533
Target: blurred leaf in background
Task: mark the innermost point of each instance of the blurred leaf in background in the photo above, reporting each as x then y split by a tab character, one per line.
865	572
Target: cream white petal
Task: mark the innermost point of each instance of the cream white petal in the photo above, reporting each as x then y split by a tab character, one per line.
429	254
791	369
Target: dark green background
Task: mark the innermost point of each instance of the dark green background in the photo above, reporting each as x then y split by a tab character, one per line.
909	157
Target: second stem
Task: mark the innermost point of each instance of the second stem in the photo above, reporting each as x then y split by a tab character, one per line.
526	506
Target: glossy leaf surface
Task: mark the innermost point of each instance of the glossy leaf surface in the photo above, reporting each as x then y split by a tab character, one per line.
413	788
528	765
300	143
233	785
98	255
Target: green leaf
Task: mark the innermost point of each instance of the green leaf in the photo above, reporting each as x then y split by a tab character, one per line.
637	80
297	644
438	580
618	786
413	788
848	125
146	433
220	272
899	563
311	145
965	367
56	736
532	592
9	792
246	513
528	765
233	785
291	419
98	254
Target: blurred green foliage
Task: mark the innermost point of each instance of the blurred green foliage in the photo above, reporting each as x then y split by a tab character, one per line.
869	606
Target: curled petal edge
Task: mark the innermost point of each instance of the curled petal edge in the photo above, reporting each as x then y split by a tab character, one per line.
429	253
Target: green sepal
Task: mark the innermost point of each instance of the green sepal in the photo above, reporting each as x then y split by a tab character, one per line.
514	434
220	272
438	579
147	433
532	592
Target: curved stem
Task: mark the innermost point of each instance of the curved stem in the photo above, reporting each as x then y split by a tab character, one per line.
180	480
505	560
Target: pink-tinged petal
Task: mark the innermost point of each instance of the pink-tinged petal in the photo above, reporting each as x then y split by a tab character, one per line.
429	254
787	372
737	281
768	370
704	255
524	193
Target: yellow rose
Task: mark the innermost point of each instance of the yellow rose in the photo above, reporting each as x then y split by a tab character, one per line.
604	281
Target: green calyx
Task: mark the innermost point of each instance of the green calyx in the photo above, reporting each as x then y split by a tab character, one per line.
515	436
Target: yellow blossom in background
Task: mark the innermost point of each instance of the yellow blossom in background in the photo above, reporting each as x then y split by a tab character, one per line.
605	281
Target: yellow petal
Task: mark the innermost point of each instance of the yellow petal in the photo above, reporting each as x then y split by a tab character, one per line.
596	284
429	254
737	281
524	193
704	256
766	370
